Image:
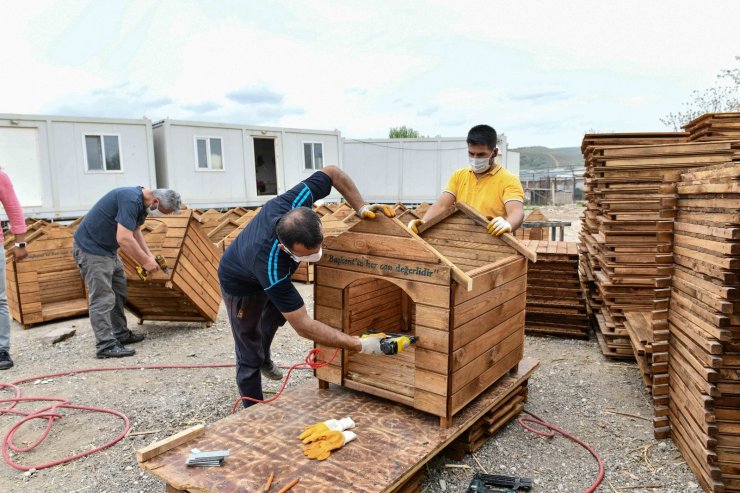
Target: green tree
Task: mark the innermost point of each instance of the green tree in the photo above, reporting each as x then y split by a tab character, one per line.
724	96
404	132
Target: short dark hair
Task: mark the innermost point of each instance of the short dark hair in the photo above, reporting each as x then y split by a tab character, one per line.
300	225
481	135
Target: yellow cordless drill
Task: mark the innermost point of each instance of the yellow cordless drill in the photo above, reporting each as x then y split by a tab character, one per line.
391	343
143	274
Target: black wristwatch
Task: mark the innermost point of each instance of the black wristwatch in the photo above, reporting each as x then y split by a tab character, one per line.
21	244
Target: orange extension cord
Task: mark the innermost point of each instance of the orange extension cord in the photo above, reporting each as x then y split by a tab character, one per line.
51	412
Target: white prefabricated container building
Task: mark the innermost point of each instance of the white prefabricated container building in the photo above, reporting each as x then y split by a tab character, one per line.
410	171
225	165
60	166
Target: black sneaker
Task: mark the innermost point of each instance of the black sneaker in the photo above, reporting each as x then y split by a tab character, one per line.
131	338
271	371
117	351
5	361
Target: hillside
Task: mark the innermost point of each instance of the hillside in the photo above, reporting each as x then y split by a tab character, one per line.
544	157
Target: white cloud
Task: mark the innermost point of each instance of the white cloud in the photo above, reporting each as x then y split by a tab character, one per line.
539	71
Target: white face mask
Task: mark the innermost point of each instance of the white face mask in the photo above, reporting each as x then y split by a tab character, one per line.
314	257
479	165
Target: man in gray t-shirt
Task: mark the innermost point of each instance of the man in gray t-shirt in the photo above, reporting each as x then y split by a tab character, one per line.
115	221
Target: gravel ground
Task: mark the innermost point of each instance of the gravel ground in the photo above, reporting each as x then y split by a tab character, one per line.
575	388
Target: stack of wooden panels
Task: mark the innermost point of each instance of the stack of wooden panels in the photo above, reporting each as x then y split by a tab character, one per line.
613	343
555	300
47	284
636	189
714	126
190	291
704	325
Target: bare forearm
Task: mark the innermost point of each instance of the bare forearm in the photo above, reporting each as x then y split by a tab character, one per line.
142	242
328	336
344	185
514	214
132	248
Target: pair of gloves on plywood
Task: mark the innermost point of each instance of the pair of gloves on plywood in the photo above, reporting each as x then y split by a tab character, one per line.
322	438
496	227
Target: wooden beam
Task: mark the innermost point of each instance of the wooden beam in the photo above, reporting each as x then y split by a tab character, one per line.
162	446
507	238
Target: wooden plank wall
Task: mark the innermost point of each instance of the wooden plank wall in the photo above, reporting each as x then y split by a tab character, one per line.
467	244
487	330
555	299
704	325
190	292
46	285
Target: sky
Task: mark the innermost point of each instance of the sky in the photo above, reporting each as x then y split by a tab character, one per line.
541	72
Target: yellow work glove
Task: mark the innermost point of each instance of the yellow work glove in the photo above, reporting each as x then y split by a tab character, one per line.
414	225
368	211
331	440
313	432
498	226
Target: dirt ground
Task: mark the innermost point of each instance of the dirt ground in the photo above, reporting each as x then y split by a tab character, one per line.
575	388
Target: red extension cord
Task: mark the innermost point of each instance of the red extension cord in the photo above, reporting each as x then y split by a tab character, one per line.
50	413
549	434
313	361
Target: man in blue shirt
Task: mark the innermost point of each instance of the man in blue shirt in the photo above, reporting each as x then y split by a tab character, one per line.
255	274
115	221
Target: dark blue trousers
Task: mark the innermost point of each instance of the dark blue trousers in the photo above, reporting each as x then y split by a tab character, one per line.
254	322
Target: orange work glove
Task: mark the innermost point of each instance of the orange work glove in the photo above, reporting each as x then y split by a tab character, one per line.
331	440
314	432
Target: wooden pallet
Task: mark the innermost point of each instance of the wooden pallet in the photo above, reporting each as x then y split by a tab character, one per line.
556	303
46	285
459	289
190	291
714	126
264	439
704	326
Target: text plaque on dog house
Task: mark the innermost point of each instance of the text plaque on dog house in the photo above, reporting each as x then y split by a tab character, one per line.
459	289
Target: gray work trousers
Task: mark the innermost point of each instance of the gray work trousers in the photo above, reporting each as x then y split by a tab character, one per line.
4	313
106	282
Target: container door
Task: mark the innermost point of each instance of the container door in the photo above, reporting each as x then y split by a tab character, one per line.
19	158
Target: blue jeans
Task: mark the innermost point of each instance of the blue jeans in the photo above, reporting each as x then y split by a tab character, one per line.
4	313
253	333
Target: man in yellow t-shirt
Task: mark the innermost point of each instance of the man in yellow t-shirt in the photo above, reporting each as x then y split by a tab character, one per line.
484	185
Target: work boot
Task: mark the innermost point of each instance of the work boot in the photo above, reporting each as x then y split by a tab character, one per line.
271	371
117	351
5	361
131	338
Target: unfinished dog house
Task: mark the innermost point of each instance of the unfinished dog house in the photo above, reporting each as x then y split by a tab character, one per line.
459	289
46	285
190	291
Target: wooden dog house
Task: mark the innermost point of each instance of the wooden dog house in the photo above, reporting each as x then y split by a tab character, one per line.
46	285
459	289
190	290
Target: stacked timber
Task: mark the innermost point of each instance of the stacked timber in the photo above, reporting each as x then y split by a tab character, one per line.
704	325
714	126
614	342
636	186
459	289
46	285
190	291
555	300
